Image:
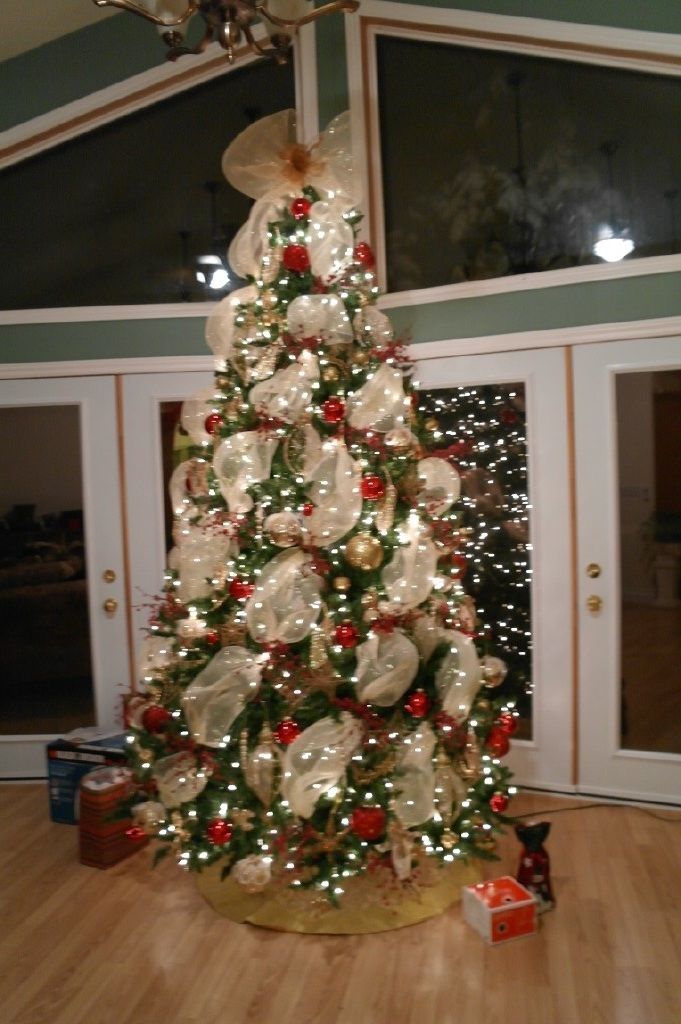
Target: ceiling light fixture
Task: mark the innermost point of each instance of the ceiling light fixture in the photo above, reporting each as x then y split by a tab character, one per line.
613	241
227	21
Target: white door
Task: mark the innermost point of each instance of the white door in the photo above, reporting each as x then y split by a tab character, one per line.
544	758
628	461
65	657
150	411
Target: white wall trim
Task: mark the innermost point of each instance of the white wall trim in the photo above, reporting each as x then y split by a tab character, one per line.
516	342
306	83
107	314
655	52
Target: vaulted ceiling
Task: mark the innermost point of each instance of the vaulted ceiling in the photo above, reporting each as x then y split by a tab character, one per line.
24	26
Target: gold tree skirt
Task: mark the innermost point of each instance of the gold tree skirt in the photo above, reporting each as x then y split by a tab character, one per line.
373	902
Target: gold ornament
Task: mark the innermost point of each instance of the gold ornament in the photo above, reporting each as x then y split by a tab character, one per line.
364	552
330	373
242	818
232	634
342	583
260	765
369	598
385	515
360	356
318	655
284	531
432	424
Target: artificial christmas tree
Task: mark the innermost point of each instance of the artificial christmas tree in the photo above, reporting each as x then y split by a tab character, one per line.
315	705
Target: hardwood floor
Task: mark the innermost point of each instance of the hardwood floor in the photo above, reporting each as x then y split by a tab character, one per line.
128	946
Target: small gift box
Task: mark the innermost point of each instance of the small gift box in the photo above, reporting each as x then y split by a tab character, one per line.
500	909
103	838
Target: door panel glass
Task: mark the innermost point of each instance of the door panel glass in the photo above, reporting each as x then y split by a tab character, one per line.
482	431
47	684
649	456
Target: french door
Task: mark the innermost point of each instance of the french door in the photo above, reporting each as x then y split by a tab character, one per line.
535	381
62	602
628	471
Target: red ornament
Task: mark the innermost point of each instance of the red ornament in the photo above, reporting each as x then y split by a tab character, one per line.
445	723
296	258
300	207
368	822
218	831
308	508
346	635
364	255
508	723
508	416
212	637
497	742
287	731
333	410
212	422
156	718
418	704
241	589
498	802
136	834
373	488
460	565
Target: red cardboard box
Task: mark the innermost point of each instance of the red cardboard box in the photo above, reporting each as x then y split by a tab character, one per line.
103	838
500	909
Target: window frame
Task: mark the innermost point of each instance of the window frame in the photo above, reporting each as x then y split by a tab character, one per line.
632	50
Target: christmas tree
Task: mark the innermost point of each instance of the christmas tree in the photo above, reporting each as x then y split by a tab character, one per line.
315	704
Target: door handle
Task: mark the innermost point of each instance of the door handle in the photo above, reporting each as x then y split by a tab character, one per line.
594	603
110	606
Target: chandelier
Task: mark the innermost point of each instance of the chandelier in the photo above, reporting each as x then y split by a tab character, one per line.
227	21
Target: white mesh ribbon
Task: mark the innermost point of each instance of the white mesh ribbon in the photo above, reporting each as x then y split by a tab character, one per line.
201	554
178	779
220	329
386	667
156	653
331	239
250	244
286	602
194	412
440	485
314	763
408	577
460	674
240	461
320	316
373	326
218	693
380	404
288	392
416	778
180	495
335	490
259	159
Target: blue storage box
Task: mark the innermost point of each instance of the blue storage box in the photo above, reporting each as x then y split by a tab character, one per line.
68	760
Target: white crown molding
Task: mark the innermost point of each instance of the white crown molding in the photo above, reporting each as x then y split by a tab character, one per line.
105	105
107	314
516	342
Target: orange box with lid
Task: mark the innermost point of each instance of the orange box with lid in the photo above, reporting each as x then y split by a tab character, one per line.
500	909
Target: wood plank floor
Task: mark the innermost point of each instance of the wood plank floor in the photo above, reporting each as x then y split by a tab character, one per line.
127	946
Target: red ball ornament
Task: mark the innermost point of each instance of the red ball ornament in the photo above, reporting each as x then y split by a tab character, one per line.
498	803
363	255
218	831
418	704
373	488
287	731
508	723
136	834
445	723
241	589
156	718
346	635
212	422
508	416
300	207
497	742
460	565
212	637
296	258
308	508
368	822
333	410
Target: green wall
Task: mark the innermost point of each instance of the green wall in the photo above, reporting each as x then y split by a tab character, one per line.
108	52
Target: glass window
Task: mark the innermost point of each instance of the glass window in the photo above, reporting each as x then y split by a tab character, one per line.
497	164
121	214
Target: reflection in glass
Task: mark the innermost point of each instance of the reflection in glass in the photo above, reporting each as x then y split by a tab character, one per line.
44	627
649	456
519	164
481	430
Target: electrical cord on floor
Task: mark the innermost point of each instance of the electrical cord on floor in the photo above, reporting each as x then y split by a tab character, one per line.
588	807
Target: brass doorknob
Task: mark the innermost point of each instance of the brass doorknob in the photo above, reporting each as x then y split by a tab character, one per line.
594	603
110	605
593	570
109	576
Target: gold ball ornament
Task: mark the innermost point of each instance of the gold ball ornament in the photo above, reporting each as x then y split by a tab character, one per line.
330	373
285	535
360	356
364	552
432	424
341	583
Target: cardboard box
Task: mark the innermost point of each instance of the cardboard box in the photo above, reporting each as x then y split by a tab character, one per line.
500	909
103	838
69	759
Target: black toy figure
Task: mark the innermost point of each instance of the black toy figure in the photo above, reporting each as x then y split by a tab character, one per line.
534	869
